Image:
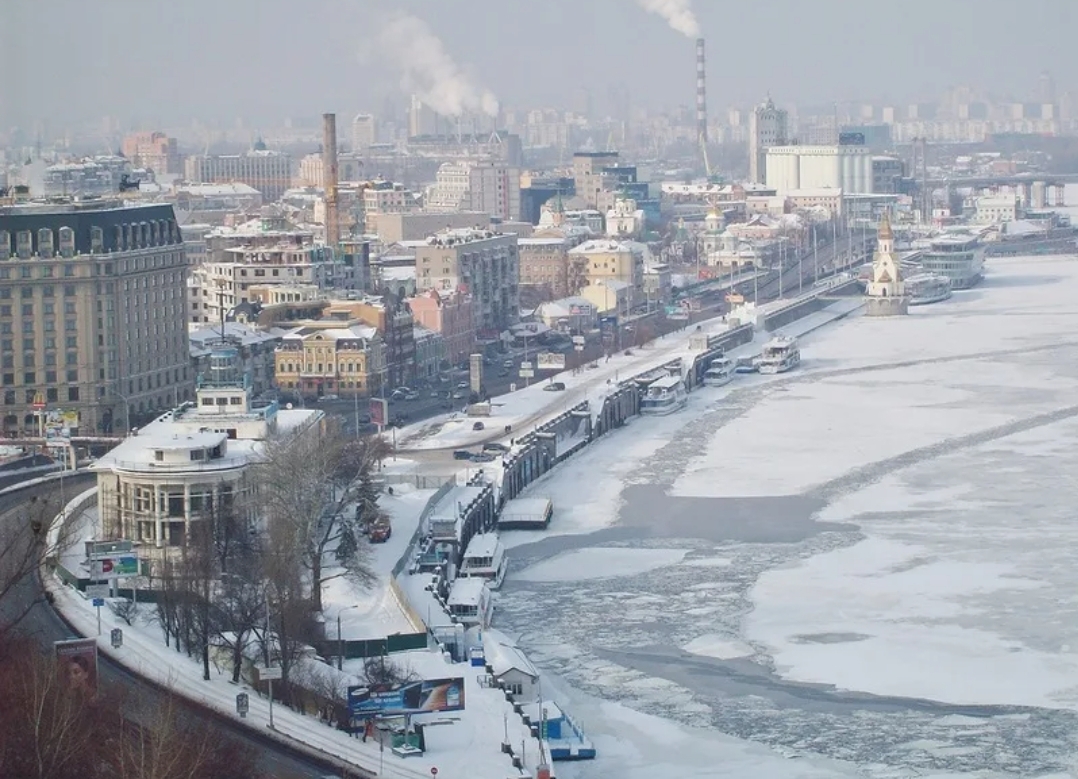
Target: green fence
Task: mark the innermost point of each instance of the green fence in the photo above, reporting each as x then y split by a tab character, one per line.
374	647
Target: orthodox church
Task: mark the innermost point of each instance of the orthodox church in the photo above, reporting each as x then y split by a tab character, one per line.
886	293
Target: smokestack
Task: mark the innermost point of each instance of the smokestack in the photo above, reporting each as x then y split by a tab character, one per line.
701	93
329	178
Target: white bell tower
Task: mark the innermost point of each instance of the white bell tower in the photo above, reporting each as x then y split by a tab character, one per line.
886	293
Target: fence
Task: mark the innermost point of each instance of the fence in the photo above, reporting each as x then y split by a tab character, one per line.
419	481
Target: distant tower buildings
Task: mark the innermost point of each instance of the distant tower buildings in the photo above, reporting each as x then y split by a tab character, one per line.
1047	89
886	293
422	119
364	133
768	126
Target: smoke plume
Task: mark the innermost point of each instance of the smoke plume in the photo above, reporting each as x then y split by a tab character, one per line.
677	13
430	72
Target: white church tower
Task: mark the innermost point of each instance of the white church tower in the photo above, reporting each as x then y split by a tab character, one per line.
886	293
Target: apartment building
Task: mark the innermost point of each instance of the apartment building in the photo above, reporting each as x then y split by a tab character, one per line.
482	263
494	188
92	315
153	150
449	313
395	326
331	357
429	353
588	173
546	271
270	172
385	197
415	226
609	260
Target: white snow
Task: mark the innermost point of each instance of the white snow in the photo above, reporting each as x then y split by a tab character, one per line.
599	563
722	647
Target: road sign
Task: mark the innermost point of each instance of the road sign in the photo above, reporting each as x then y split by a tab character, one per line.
550	361
97	590
99	602
243	704
269	674
526	373
39	401
117	637
433	770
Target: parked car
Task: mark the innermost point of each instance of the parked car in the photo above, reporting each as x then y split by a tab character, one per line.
496	447
458	395
462	385
478	426
482	457
411	395
462	454
554	386
507	364
380	531
326	398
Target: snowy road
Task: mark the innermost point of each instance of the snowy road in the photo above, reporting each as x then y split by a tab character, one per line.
872	560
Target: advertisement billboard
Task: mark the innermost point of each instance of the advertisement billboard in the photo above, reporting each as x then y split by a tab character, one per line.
78	664
475	373
550	361
114	567
61	423
422	697
377	410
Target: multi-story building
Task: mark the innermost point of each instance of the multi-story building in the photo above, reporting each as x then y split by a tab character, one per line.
494	188
253	349
153	150
768	126
545	268
395	325
253	256
270	172
449	193
385	197
364	132
394	228
610	260
331	357
450	314
429	353
588	174
480	262
96	176
311	170
191	465
92	315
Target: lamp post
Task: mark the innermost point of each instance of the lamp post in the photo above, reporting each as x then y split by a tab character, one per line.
340	641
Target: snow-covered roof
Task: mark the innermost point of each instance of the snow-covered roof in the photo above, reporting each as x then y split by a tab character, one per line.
233	189
482	545
467	591
398	272
528	507
447	508
606	245
201	335
502	655
332	333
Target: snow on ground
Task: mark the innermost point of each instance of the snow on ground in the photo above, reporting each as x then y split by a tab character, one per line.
599	563
886	532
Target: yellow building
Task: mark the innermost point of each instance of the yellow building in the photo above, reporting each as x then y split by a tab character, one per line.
610	260
331	358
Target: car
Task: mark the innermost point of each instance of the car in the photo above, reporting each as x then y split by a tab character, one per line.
458	395
554	386
482	457
327	398
411	395
436	393
496	447
478	426
462	385
380	531
462	454
507	364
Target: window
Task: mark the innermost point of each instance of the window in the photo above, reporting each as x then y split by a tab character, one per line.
52	395
73	375
29	378
73	393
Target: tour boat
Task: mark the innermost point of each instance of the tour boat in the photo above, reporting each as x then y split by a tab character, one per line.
925	288
485	559
664	396
720	372
779	355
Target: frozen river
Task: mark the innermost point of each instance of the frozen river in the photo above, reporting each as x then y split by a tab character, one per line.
867	567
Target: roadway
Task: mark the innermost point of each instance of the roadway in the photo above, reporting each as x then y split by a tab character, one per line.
44	625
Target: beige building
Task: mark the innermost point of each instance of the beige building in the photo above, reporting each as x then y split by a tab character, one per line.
609	297
482	263
610	260
588	174
153	150
329	357
547	270
270	172
415	226
385	197
92	315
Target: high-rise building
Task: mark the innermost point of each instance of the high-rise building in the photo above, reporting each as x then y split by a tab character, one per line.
92	315
364	132
494	188
153	150
768	126
270	172
588	173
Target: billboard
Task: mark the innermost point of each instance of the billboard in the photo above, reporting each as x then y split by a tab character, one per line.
550	361
422	697
377	410
475	373
60	423
78	664
851	139
115	567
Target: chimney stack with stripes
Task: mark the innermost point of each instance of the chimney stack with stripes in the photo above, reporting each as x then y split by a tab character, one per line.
329	178
701	93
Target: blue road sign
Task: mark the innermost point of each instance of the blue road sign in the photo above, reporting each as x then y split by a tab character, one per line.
99	602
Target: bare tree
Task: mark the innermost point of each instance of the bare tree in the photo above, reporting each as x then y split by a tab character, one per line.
239	609
23	544
382	670
124	608
309	487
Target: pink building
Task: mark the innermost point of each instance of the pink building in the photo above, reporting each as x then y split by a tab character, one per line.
449	312
153	150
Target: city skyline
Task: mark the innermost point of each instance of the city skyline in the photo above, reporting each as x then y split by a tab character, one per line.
359	56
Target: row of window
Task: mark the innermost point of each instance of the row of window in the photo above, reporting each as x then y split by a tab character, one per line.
52	395
48	243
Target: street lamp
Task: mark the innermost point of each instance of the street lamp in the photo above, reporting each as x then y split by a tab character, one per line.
340	642
127	406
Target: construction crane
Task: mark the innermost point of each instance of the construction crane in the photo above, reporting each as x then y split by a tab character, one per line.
712	178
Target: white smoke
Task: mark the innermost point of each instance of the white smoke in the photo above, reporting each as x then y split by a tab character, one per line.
677	13
430	72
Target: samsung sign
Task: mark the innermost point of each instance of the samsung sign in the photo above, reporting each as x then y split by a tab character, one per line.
422	697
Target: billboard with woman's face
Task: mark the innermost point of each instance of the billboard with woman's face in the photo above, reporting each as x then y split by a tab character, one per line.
78	664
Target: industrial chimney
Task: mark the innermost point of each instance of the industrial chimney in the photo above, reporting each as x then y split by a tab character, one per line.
701	93
329	178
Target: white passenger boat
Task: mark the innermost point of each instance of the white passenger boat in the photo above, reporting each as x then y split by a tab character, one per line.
485	559
779	355
664	396
925	288
720	372
470	602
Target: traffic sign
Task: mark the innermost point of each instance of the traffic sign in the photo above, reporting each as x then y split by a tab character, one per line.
117	637
269	674
99	602
526	373
433	770
96	591
243	704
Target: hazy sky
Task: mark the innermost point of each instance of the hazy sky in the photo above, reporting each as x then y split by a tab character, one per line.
165	63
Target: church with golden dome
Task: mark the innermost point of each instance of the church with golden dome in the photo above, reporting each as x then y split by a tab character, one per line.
886	292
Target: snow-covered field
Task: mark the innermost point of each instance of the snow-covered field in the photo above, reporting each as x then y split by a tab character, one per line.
871	560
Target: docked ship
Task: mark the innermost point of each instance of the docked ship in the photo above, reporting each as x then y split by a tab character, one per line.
779	355
720	372
485	559
959	258
925	288
664	396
